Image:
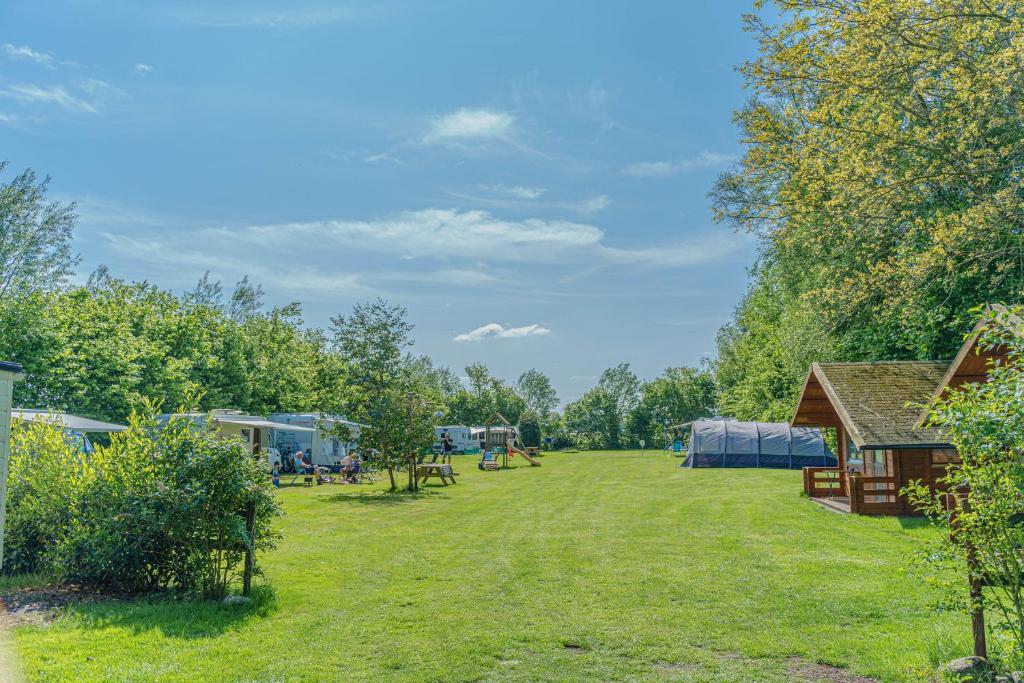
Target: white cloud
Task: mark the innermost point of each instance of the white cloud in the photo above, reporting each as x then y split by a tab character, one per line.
593	205
470	125
451	233
142	69
383	158
303	279
432	232
497	331
54	94
529	197
516	191
24	52
421	249
662	169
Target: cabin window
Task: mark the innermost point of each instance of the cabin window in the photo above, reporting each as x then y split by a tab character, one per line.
879	464
945	457
854	456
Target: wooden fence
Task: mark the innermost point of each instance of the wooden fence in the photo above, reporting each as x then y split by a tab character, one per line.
875	496
824	482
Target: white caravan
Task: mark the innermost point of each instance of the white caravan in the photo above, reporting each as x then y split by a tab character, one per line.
323	452
462	439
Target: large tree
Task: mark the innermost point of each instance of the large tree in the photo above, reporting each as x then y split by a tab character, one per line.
373	339
882	172
35	236
679	395
538	394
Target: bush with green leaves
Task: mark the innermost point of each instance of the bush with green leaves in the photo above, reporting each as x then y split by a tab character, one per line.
161	508
529	429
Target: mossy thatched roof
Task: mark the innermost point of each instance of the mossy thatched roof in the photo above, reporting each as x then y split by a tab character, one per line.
879	402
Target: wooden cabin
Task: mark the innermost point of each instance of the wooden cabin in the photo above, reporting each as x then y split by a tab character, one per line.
882	440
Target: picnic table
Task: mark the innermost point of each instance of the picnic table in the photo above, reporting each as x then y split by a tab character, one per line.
443	471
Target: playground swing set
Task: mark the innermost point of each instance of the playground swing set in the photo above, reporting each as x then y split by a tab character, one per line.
501	440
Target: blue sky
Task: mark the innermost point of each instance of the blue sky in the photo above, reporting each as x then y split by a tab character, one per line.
528	178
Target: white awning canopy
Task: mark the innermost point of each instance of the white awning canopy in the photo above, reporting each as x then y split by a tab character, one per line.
72	423
266	424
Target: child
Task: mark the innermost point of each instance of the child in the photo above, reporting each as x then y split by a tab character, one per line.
488	457
276	474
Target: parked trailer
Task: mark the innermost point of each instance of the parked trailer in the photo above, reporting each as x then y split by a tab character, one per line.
463	440
323	452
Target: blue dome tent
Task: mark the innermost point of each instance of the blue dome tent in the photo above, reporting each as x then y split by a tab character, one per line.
728	443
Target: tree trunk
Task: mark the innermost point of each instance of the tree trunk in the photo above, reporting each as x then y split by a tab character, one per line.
391	474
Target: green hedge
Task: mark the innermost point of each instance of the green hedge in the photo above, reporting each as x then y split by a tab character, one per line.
159	509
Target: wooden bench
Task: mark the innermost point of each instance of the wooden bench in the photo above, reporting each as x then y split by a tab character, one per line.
442	471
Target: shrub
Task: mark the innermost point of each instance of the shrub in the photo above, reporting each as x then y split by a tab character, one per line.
160	508
529	429
45	483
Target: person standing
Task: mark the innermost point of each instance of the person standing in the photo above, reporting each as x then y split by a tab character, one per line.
446	448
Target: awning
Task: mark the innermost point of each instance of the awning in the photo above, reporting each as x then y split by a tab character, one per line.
266	424
72	423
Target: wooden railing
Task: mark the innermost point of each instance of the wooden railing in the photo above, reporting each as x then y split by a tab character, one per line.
824	482
875	496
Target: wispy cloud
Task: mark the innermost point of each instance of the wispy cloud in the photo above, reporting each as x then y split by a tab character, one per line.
518	198
141	69
470	125
54	94
383	158
305	280
426	233
516	191
663	169
497	331
588	207
24	52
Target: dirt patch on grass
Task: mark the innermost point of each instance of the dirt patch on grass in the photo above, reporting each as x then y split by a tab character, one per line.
813	672
675	668
38	606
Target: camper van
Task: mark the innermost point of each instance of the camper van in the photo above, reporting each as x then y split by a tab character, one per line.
323	452
462	439
257	433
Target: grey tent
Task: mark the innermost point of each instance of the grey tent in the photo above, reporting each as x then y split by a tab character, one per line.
727	443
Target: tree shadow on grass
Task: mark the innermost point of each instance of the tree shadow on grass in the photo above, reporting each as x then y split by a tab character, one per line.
174	617
914	522
383	498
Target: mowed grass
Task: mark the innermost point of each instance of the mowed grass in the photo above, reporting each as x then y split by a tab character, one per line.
596	566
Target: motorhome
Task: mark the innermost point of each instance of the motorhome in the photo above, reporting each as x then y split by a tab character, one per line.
462	439
258	433
322	451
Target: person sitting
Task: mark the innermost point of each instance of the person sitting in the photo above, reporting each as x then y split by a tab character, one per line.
487	462
353	472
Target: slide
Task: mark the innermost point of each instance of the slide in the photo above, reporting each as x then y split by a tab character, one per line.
526	456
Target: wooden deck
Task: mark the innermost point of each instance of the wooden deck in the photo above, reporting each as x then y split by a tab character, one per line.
837	504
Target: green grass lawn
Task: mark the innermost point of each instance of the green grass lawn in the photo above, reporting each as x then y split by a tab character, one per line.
596	566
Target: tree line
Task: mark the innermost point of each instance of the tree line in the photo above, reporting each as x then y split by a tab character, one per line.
882	173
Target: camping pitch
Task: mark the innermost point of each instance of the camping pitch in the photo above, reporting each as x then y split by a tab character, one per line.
727	443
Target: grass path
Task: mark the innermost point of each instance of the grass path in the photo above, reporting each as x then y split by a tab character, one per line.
592	567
